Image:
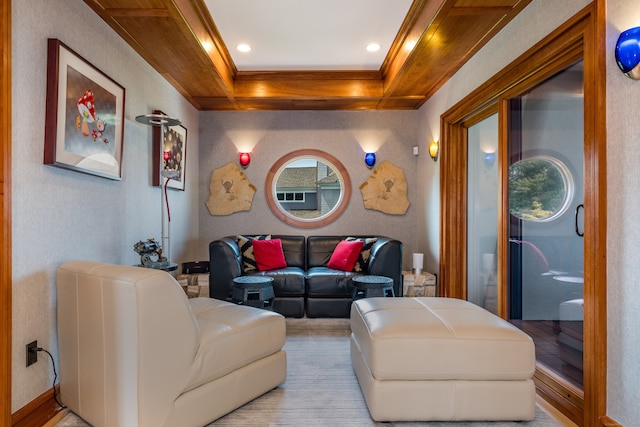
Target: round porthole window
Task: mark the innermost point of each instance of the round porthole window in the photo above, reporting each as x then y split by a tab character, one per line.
308	188
540	188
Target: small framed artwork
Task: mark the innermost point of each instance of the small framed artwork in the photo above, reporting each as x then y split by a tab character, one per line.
171	168
84	121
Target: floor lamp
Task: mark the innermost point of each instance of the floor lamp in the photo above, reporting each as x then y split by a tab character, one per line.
163	121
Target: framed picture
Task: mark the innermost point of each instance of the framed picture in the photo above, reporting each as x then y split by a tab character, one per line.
173	147
84	121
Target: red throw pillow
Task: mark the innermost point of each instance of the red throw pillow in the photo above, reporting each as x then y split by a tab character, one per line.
345	255
269	254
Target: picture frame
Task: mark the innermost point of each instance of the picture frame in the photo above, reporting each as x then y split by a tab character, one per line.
84	120
174	159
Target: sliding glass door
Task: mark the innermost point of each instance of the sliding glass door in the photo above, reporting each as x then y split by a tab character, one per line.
546	194
544	210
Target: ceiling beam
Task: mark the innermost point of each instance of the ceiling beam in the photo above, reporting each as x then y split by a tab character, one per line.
180	40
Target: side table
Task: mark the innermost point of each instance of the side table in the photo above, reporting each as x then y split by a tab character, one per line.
419	285
195	279
372	286
194	285
254	291
172	266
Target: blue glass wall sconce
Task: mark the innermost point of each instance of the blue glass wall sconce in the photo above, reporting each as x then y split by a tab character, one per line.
370	159
489	159
628	53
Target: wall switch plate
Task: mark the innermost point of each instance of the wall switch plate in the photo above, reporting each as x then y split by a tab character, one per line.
32	353
416	150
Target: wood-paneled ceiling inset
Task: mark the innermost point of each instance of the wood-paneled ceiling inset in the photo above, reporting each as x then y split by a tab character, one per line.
180	40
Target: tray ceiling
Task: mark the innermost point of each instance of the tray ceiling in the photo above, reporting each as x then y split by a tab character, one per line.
424	42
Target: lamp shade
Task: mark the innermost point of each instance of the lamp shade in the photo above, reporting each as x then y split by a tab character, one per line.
245	159
370	159
628	53
433	150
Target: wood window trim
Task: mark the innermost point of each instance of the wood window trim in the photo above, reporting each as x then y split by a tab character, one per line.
582	37
5	214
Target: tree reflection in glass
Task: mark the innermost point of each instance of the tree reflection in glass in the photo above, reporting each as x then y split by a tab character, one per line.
540	188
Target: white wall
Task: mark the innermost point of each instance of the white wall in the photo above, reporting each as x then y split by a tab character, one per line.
60	215
344	134
623	233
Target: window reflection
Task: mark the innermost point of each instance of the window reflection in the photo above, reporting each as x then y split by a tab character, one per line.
308	188
482	214
546	254
540	188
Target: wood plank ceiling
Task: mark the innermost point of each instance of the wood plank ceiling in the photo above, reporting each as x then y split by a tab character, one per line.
180	40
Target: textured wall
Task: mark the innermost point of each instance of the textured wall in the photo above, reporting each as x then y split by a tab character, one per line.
60	215
345	135
623	233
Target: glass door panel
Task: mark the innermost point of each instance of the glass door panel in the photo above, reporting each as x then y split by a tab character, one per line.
482	214
546	256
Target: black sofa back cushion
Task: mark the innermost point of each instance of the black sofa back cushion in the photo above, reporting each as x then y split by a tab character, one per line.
293	248
320	249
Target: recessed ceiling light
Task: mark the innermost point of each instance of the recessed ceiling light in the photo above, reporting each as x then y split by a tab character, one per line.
373	47
243	47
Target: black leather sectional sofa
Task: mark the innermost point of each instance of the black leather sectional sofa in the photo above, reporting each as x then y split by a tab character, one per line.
306	285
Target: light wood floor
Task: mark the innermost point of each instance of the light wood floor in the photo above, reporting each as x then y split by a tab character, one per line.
321	388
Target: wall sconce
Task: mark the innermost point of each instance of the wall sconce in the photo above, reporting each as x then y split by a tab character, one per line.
433	150
628	53
489	159
370	159
245	159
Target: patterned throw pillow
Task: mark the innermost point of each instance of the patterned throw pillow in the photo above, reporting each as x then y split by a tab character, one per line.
362	263
246	250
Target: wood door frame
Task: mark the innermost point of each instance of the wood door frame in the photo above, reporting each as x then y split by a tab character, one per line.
582	37
5	214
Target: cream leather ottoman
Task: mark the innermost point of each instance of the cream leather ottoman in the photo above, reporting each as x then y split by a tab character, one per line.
424	359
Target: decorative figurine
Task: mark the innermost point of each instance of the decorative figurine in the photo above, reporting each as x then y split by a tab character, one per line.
150	254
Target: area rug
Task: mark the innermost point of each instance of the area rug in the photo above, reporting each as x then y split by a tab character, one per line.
321	388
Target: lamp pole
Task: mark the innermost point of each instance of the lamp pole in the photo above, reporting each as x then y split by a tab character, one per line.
162	121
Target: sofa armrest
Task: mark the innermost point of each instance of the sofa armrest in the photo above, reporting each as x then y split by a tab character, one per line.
225	264
386	260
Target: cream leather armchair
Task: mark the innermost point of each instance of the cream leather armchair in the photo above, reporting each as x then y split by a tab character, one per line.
134	351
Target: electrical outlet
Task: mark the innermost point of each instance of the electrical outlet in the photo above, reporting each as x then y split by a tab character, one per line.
32	353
